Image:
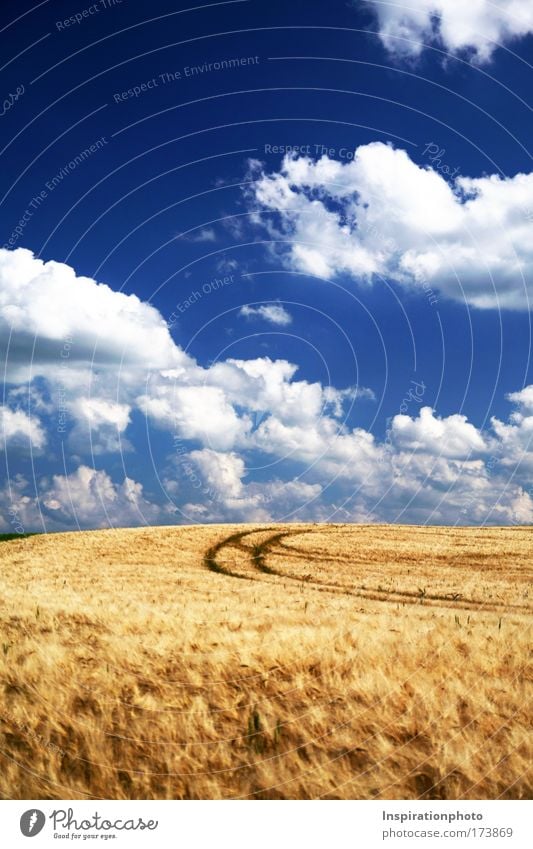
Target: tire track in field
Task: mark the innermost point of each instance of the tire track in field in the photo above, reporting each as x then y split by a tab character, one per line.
212	559
392	596
259	552
295	553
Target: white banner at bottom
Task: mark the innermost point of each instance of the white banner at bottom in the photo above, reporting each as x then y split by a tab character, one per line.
266	824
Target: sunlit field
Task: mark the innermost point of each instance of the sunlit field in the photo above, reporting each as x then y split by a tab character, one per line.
285	662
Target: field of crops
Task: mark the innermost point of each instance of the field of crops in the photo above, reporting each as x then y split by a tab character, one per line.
293	661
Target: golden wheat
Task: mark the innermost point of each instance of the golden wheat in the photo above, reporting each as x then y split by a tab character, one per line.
299	661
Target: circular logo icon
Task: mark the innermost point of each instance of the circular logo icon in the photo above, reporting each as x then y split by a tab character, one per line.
32	822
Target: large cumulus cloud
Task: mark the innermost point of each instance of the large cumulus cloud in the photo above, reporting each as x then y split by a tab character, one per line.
248	440
383	216
476	26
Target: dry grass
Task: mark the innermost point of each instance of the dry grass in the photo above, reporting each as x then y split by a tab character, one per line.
286	662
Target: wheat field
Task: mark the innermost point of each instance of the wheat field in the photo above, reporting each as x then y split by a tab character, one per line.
283	662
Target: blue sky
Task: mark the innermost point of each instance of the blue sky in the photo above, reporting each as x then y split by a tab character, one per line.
266	262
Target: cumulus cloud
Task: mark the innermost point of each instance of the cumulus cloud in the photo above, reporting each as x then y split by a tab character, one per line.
228	498
16	427
454	436
444	470
272	313
85	498
515	437
98	411
432	469
103	355
268	386
19	512
73	318
223	405
430	489
194	412
227	419
223	472
89	498
523	400
325	446
476	26
382	215
100	424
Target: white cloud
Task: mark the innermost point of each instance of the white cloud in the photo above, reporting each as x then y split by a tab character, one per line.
86	498
515	438
381	215
54	321
226	265
314	466
223	472
221	406
330	450
478	26
370	485
227	498
437	470
74	319
452	437
16	427
268	386
337	398
100	424
195	412
273	313
18	509
427	488
100	412
205	234
89	498
522	399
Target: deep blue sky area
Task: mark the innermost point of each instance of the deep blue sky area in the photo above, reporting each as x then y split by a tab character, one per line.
162	208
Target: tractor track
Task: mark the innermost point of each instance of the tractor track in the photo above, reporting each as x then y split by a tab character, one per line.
260	569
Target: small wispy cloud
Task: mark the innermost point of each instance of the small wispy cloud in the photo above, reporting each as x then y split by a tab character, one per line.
225	265
206	234
202	234
273	313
